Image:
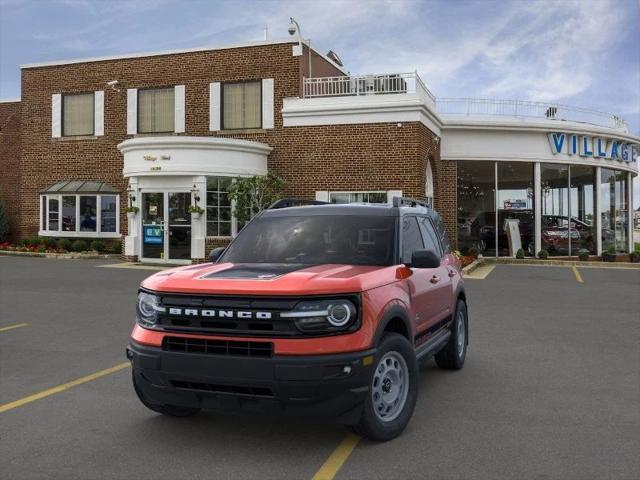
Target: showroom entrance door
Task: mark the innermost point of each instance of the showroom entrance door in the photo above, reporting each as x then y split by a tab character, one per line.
166	227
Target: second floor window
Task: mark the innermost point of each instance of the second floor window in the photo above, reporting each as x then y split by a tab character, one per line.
241	105
77	114
156	110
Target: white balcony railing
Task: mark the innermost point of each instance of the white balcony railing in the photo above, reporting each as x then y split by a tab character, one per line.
525	109
402	83
392	83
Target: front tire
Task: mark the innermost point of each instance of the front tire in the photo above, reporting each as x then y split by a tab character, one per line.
393	390
169	410
452	356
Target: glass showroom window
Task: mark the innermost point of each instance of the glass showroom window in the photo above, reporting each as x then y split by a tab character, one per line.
241	105
477	206
77	114
554	180
614	197
156	110
515	205
218	207
78	215
358	197
582	204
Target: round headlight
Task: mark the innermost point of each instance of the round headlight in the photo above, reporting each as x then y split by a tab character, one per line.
339	314
148	307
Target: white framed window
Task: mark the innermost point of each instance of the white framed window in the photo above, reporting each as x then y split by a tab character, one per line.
242	105
428	187
78	114
156	110
219	211
358	197
80	215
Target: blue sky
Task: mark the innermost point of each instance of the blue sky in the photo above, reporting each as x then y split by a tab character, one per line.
583	52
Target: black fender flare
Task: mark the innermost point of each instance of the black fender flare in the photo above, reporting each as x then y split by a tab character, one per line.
394	311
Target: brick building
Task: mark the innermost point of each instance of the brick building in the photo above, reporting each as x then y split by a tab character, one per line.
162	131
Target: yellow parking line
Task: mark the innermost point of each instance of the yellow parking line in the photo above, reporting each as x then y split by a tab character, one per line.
62	388
11	327
334	463
577	274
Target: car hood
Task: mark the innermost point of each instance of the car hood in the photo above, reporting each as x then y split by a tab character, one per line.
270	279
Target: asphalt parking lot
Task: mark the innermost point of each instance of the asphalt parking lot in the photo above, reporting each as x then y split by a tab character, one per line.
550	389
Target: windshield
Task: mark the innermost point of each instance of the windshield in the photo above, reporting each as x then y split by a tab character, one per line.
315	240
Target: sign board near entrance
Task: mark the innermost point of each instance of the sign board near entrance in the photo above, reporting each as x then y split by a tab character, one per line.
152	235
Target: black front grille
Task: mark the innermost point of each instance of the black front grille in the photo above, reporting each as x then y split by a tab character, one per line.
217	388
218	347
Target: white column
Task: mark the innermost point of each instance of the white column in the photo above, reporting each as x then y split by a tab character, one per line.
537	189
598	212
132	241
199	226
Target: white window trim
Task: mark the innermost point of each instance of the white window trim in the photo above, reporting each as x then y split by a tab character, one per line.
349	192
78	233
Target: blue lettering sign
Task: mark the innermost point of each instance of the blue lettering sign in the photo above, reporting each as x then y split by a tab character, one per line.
573	147
601	150
614	155
557	142
585	148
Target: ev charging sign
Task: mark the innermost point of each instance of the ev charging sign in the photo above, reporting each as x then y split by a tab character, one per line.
595	147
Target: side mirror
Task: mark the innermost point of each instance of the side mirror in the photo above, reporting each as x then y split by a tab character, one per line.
425	259
215	254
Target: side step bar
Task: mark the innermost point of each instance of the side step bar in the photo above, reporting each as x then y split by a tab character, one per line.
434	344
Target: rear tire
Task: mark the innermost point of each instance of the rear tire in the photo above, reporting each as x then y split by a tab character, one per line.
393	390
452	356
169	410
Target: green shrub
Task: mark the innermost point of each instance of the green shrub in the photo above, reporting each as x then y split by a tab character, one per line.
611	250
28	241
583	254
79	246
98	246
520	253
116	246
635	256
48	242
65	244
543	254
473	252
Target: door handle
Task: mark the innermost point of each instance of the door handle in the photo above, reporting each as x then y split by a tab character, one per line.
435	279
452	273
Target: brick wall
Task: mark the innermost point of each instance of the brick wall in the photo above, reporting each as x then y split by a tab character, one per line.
339	157
10	163
47	160
445	182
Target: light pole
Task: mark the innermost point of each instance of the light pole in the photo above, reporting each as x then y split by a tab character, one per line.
293	28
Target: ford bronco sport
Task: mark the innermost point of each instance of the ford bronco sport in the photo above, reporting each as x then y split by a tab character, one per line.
320	310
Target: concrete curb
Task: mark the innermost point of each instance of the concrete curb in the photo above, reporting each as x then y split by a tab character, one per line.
61	256
557	263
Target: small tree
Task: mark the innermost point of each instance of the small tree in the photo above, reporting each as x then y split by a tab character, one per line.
4	222
253	194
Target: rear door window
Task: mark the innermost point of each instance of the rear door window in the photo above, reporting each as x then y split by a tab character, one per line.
442	234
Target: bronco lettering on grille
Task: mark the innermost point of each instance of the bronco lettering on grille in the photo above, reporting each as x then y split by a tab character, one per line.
213	313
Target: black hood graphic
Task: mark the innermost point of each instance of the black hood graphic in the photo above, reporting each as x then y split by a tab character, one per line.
257	271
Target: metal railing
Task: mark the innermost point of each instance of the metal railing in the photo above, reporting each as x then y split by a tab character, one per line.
377	84
527	109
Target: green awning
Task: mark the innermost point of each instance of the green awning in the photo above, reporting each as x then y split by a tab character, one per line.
80	186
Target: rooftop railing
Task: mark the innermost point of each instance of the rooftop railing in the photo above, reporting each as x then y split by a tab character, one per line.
380	84
526	109
399	83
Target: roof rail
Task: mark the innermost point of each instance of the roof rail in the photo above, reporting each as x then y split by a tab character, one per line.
409	202
294	202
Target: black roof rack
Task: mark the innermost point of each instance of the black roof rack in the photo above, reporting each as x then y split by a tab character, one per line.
409	202
294	202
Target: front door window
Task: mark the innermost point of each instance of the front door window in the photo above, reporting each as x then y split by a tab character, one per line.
153	225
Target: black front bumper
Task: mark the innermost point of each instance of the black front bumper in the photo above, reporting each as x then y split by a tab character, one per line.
325	386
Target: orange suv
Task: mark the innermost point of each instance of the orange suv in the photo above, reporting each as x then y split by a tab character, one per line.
319	310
